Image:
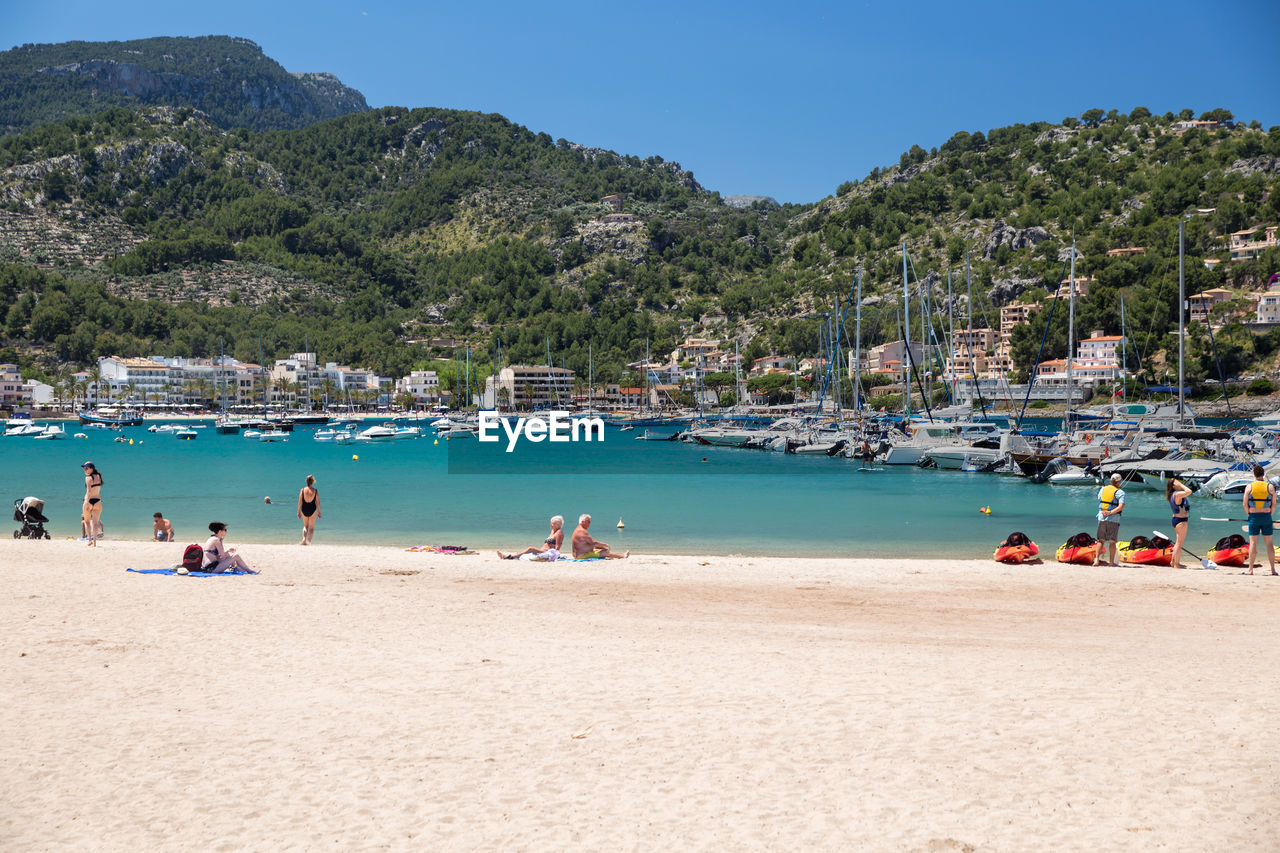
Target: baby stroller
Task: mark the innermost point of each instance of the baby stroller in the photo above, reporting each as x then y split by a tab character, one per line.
30	511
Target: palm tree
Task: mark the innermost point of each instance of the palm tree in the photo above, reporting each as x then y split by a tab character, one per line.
327	389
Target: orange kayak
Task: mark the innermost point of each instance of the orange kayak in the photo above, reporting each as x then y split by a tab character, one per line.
1017	548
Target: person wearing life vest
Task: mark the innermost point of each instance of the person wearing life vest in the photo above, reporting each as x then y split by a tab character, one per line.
1110	505
1260	504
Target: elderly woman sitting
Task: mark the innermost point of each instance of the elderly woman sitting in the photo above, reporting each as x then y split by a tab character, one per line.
549	550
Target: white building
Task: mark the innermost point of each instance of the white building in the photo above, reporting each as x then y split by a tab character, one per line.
422	385
531	387
12	391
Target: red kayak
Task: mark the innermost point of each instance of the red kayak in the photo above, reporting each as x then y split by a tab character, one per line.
1017	548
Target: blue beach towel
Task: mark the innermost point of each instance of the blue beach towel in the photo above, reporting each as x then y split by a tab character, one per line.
189	574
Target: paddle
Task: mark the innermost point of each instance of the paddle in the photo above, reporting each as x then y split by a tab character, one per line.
1205	562
1202	518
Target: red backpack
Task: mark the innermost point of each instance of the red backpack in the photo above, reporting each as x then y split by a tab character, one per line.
192	558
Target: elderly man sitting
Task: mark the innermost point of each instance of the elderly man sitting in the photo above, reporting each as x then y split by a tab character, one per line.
586	548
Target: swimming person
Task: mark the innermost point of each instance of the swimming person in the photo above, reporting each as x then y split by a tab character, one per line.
549	550
586	548
308	509
1177	493
1260	504
1110	505
218	557
161	528
92	509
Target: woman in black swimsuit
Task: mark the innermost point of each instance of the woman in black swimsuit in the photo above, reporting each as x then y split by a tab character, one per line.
92	509
308	509
550	546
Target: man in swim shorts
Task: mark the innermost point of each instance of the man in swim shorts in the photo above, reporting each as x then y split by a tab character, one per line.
1260	504
586	548
161	528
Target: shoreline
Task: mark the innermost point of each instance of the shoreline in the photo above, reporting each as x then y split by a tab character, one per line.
363	697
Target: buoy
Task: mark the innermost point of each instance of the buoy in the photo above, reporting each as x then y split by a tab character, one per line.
437	441
985	510
355	457
620	524
131	441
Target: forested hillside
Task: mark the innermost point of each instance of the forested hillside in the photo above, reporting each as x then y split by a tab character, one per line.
374	234
229	79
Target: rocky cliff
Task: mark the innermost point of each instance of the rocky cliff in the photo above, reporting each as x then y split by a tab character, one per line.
229	79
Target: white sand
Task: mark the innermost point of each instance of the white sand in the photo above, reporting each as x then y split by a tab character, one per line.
364	698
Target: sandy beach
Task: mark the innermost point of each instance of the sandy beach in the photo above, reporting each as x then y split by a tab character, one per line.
366	698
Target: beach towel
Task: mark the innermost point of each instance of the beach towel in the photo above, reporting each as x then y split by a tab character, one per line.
441	549
173	571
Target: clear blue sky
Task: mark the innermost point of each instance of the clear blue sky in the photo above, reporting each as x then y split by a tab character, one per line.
766	98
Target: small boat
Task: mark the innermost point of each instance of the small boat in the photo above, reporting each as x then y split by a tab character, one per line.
1073	475
376	433
1143	551
1081	549
1230	550
51	432
407	432
1016	548
107	418
343	436
185	433
273	435
164	428
325	435
251	434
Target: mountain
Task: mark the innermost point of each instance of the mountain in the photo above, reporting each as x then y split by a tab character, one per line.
382	234
229	79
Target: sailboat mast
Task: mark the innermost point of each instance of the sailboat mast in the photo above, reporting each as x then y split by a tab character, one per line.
1071	328
968	309
1124	362
906	335
857	350
1182	304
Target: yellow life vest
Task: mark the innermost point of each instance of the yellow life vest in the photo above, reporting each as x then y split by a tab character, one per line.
1259	497
1107	499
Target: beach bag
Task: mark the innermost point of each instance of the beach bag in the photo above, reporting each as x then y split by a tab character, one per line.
192	558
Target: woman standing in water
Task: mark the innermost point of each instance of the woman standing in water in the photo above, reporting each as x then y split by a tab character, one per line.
308	509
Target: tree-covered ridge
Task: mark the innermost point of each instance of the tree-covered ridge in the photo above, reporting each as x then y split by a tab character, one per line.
463	225
229	79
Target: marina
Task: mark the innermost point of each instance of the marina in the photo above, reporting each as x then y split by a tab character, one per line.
680	496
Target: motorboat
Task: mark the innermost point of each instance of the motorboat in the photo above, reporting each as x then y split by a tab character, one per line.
51	432
325	435
164	428
184	433
273	435
251	434
377	432
1074	475
22	427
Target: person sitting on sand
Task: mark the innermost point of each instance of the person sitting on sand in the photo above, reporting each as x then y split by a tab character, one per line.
219	558
161	529
586	548
549	550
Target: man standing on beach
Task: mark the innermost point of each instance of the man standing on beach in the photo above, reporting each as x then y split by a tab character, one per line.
1260	504
1110	505
586	548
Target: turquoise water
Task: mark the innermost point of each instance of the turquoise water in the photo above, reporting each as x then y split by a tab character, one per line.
420	492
